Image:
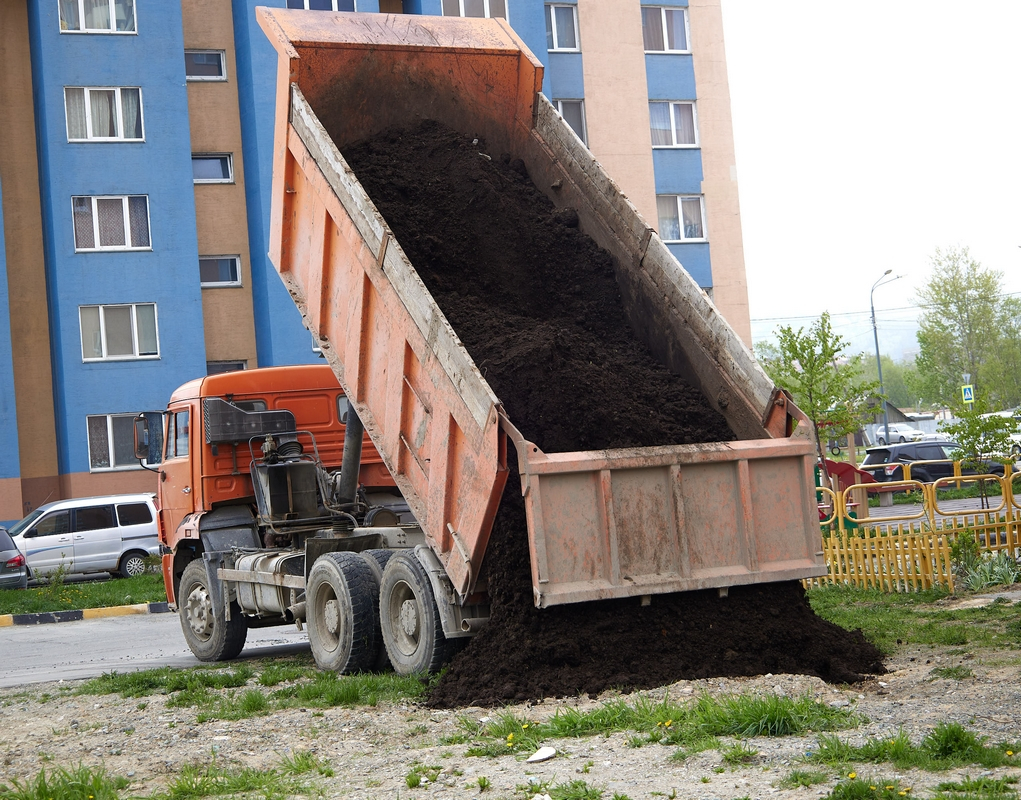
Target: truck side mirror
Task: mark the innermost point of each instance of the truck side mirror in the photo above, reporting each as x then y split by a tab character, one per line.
149	437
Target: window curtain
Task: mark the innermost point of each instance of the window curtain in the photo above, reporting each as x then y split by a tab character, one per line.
104	114
145	322
92	342
97	15
669	225
124	442
74	103
691	209
111	221
652	28
677	38
99	443
117	324
125	13
84	233
684	123
138	218
474	8
565	27
132	110
69	19
659	120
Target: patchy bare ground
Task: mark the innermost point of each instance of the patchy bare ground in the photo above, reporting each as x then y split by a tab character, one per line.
373	749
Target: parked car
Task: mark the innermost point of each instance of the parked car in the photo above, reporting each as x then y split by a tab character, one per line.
90	534
899	432
886	463
13	572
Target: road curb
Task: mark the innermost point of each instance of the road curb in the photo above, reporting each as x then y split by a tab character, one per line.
7	620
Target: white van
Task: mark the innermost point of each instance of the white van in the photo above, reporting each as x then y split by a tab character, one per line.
111	534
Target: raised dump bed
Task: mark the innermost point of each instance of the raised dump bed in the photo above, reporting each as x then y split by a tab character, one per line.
601	524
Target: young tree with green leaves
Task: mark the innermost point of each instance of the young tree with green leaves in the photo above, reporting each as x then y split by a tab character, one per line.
981	436
825	382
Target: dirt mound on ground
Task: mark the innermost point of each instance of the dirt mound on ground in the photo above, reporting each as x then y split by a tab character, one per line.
536	304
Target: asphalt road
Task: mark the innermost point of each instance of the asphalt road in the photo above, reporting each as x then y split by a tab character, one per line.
87	649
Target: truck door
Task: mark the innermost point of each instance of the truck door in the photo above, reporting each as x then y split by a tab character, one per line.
177	483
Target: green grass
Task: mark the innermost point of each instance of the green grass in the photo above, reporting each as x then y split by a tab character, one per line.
803	778
956	673
217	781
60	596
948	745
236	691
985	788
690	726
75	783
869	788
571	790
898	618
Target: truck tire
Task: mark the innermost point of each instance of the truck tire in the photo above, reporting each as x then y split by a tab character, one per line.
132	564
377	561
342	598
409	619
210	639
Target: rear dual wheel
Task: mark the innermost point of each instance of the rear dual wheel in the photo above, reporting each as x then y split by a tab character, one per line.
411	627
342	598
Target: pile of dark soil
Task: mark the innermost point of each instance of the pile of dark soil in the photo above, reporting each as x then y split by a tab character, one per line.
536	304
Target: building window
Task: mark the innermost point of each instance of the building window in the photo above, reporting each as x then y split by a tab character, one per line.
212	168
673	124
561	27
665	30
680	217
218	367
112	442
97	16
573	112
119	332
111	223
475	8
205	65
322	5
101	114
220	270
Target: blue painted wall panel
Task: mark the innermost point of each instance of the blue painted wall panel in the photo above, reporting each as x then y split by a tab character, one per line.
695	259
565	76
678	171
160	168
670	76
9	467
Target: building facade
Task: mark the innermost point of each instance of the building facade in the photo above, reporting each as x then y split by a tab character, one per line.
134	197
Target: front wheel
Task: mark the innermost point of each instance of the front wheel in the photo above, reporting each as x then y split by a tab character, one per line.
409	618
882	441
210	639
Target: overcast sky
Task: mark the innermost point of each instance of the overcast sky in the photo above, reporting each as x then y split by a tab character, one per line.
866	137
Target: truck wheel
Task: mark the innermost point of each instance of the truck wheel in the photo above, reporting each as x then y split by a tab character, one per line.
210	639
377	561
132	564
409	618
342	597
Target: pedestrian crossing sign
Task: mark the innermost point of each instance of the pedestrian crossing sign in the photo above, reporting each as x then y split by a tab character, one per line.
968	393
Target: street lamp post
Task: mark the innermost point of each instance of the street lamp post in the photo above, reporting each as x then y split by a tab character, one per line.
879	363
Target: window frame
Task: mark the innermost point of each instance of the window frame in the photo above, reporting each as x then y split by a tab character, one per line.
207	78
673	126
558	105
663	29
680	218
230	167
354	5
236	258
110	446
486	3
113	20
134	333
119	114
241	366
125	204
553	30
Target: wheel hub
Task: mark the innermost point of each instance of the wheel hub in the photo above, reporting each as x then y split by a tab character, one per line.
331	616
409	618
198	612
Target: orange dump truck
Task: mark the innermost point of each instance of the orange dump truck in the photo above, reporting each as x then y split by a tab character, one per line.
604	524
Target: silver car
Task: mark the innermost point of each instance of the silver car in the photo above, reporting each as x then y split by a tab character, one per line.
114	534
13	569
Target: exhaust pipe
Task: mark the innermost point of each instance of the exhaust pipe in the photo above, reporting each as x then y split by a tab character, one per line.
350	464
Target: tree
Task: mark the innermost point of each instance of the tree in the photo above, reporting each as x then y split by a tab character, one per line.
826	384
959	326
899	378
981	436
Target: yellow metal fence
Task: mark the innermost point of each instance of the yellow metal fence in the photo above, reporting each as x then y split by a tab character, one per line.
909	550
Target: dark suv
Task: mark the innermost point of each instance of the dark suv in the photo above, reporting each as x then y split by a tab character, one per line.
885	462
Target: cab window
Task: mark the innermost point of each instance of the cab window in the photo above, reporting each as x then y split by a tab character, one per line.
54	524
177	434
